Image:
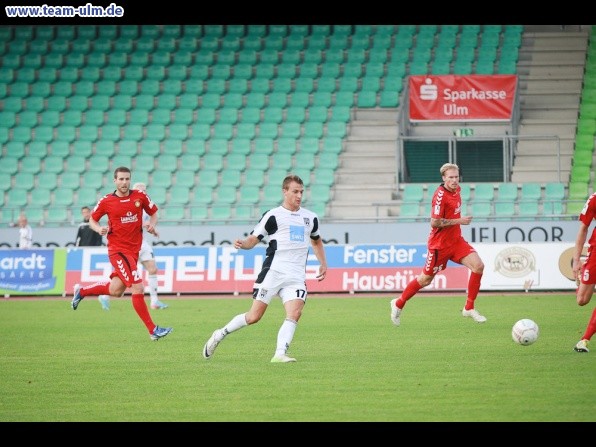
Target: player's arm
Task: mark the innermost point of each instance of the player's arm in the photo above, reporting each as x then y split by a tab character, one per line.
319	251
95	226
580	240
443	223
151	224
246	244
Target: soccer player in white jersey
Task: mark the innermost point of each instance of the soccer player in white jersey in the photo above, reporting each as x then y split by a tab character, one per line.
288	228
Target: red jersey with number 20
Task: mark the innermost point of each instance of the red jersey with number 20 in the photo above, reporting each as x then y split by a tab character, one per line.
445	205
125	219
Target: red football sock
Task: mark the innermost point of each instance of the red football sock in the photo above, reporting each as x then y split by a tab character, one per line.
473	289
411	289
591	329
140	306
99	288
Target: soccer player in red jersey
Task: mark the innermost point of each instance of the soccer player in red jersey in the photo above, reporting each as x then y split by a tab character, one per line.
446	243
124	208
586	273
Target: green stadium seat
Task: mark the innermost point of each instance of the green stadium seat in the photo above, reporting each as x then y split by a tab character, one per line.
328	160
554	191
264	145
332	145
504	210
280	160
16	197
40	197
528	210
553	208
47	180
24	180
507	192
254	177
230	178
208	176
287	145
70	179
413	192
578	191
62	196
94	117
531	191
409	210
179	195
56	216
258	161
481	209
93	180
336	129
51	163
484	192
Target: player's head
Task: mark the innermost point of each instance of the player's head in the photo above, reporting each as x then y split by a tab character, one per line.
140	186
122	180
293	190
450	175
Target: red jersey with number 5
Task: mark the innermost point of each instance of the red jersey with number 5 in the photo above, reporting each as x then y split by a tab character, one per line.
445	205
125	219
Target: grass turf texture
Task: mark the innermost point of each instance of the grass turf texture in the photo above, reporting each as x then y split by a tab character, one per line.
353	363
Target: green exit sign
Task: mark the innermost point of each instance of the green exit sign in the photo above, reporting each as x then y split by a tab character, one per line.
463	132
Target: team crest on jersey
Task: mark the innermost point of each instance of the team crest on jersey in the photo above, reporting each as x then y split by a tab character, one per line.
306	221
138	203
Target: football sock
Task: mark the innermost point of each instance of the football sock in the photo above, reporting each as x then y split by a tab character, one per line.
285	336
140	306
238	322
152	283
473	289
591	329
99	288
411	289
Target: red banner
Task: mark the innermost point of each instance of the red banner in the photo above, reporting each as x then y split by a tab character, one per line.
462	98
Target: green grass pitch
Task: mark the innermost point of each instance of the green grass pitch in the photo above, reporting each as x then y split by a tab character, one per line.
353	363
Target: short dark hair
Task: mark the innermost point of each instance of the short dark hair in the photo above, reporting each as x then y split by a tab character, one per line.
120	169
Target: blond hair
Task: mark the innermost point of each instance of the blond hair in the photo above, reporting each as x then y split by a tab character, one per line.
448	166
139	185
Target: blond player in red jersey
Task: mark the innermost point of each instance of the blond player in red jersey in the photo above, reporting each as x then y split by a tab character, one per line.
586	273
446	243
124	208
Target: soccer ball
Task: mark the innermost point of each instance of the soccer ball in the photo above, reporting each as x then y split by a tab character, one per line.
525	332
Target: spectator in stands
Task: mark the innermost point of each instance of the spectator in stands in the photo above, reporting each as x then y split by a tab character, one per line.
586	272
86	237
124	208
446	243
25	232
288	228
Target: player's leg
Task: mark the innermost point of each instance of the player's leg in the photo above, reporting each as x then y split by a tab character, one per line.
262	294
469	257
294	299
435	261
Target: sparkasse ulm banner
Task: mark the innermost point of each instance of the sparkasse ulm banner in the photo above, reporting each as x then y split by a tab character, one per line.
462	98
